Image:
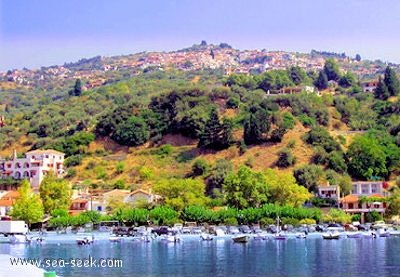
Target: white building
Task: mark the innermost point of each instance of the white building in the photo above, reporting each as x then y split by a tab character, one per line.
34	166
367	188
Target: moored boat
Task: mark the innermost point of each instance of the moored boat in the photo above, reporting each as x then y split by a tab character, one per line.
241	238
85	240
19	239
260	236
280	236
355	235
206	237
114	238
331	235
383	233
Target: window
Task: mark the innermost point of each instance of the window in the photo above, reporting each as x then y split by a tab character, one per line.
364	189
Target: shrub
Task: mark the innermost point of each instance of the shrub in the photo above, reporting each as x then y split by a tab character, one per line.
120	167
307	221
71	173
286	158
250	161
91	165
73	161
231	221
200	167
120	184
288	121
306	121
265	221
356	217
146	173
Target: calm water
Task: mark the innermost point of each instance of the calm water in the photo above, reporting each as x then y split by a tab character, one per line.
221	257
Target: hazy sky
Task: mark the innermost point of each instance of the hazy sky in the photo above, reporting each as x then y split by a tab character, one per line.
48	32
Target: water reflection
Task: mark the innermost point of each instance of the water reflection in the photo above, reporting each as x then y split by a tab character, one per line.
221	257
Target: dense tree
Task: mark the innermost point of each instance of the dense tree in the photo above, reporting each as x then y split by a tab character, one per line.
347	80
381	91
28	206
55	193
308	176
257	125
296	74
286	158
217	176
246	188
216	135
179	193
391	81
366	158
284	190
108	122
331	70
131	132
200	167
322	81
77	91
319	136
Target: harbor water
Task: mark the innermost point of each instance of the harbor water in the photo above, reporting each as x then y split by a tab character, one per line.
192	256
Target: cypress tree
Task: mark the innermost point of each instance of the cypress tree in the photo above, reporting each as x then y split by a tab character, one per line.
391	81
381	91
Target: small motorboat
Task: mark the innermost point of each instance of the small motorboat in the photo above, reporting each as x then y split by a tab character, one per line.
170	238
37	239
86	240
301	236
280	236
383	233
241	238
331	235
260	236
206	237
369	235
114	238
355	235
19	239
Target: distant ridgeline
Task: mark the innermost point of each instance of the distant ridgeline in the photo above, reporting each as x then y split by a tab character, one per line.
326	54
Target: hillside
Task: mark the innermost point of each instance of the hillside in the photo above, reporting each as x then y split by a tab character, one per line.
131	121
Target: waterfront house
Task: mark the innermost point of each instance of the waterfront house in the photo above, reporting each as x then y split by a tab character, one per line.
141	195
34	166
329	191
365	197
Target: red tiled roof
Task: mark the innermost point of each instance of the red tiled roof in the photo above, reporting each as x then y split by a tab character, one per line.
6	203
377	195
12	194
350	199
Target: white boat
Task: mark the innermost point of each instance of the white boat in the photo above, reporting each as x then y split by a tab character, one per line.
331	235
280	236
383	233
369	235
114	238
37	239
355	235
301	235
86	240
260	236
241	238
18	239
170	238
206	237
